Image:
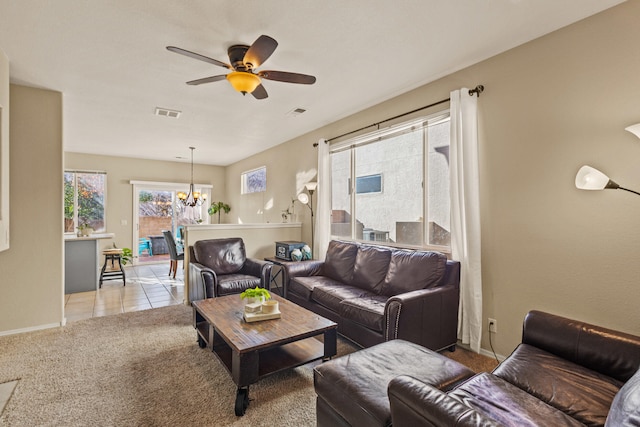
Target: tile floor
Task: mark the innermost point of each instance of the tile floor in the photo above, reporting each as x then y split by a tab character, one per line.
148	286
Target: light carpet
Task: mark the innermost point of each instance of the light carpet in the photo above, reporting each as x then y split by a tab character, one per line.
141	369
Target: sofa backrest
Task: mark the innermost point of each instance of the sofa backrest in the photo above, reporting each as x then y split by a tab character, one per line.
339	261
370	268
382	269
224	256
412	270
584	344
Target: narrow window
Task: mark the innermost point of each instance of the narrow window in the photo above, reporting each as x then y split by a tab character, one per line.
84	200
254	181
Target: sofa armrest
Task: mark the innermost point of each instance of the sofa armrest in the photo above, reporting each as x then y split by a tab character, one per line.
258	268
428	317
303	268
202	281
583	344
300	268
414	403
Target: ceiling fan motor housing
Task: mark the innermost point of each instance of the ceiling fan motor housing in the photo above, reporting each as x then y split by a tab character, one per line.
236	57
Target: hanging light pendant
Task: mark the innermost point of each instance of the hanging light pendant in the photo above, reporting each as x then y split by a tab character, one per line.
193	198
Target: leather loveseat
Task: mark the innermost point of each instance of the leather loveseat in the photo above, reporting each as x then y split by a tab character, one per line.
564	373
220	267
378	293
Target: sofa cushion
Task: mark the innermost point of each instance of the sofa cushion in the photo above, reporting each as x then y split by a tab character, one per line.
224	256
303	286
583	394
370	268
413	270
331	295
367	311
236	283
625	409
339	261
508	405
355	385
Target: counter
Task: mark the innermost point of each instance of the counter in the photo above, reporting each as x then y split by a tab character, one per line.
81	262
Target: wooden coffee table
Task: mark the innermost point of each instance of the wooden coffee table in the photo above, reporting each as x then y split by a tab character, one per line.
251	351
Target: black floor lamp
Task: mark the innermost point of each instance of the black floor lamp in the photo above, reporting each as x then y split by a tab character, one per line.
308	200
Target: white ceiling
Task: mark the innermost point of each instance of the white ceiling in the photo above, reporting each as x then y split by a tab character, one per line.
108	58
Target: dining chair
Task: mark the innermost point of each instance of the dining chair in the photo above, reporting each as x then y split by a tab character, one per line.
173	252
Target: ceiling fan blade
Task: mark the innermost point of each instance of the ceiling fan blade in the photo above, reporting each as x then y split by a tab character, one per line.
259	92
207	80
283	76
197	56
260	51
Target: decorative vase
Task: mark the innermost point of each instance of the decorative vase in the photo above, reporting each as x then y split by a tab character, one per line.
253	300
270	306
306	252
296	255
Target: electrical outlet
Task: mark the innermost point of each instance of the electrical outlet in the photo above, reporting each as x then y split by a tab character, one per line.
493	325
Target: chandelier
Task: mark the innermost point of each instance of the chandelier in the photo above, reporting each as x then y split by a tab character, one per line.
193	198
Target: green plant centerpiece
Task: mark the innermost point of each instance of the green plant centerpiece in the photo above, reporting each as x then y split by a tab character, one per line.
255	294
217	208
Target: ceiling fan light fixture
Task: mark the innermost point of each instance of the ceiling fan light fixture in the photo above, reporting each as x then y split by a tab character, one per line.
243	82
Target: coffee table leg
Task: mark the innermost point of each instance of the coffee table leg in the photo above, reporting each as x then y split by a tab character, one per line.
242	401
330	344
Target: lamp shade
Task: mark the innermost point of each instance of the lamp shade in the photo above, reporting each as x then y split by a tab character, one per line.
634	129
311	186
303	198
589	178
243	82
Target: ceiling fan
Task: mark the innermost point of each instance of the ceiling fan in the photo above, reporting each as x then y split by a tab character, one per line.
244	61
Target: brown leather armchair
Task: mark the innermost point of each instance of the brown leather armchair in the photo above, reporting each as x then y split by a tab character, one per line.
220	267
564	373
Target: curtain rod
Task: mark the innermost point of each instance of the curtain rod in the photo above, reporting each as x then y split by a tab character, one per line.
476	91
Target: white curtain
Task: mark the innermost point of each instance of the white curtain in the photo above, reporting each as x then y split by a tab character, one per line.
323	210
465	214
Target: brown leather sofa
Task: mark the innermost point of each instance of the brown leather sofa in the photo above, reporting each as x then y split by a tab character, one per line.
378	293
564	373
220	267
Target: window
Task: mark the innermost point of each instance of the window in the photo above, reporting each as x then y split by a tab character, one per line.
254	181
369	184
84	200
413	158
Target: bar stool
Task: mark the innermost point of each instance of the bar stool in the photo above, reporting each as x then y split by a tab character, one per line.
112	255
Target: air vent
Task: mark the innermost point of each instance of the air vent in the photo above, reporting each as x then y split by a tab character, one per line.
167	112
296	112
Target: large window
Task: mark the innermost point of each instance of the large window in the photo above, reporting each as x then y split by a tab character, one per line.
84	200
413	159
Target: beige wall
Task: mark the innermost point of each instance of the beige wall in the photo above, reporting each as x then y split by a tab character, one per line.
121	170
549	106
31	271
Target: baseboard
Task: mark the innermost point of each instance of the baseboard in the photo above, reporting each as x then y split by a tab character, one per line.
483	352
32	328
